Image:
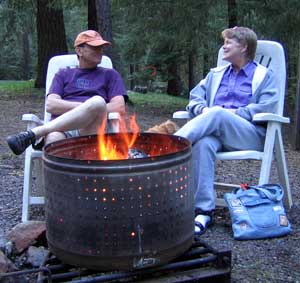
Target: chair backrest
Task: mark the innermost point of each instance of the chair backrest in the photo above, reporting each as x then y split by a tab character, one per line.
63	61
271	55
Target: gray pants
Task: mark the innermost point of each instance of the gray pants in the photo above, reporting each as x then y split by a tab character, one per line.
72	133
213	131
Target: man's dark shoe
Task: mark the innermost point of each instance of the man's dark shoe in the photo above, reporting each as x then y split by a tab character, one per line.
18	143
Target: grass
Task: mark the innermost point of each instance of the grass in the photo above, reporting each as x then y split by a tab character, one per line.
15	85
162	101
158	100
18	87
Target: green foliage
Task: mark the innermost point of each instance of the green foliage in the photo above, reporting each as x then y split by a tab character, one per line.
276	20
17	39
159	33
75	16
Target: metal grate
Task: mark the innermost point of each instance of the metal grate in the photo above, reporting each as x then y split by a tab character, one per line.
201	263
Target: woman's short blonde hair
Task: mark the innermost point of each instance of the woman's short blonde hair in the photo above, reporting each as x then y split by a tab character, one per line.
244	36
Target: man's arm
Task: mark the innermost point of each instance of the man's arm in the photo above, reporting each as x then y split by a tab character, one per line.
57	106
116	104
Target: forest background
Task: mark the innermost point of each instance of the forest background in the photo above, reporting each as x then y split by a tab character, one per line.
164	45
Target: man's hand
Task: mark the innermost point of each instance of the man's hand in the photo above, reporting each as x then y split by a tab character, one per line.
116	104
56	105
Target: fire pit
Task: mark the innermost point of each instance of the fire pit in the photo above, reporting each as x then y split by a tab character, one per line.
119	214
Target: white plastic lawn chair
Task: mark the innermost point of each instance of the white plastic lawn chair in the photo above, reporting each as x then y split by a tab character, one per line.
271	55
33	157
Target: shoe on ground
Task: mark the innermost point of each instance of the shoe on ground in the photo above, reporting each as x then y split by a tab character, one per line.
18	143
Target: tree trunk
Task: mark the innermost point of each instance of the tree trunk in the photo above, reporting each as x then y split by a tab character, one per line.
92	15
296	134
206	65
131	71
192	64
232	13
25	56
174	82
103	11
51	36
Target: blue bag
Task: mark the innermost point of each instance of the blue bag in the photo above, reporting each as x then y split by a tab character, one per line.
257	212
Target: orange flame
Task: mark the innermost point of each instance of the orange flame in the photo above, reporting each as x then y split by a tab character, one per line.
108	150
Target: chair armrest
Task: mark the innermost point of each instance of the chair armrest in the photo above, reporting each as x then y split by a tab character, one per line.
181	115
260	117
32	120
269	117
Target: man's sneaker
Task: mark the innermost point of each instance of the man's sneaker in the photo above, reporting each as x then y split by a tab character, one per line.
18	143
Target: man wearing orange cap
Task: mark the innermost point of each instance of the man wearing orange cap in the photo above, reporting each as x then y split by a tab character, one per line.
79	98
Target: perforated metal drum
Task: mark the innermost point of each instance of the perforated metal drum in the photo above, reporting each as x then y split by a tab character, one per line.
119	214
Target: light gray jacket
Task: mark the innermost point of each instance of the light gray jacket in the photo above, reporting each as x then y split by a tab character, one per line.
264	98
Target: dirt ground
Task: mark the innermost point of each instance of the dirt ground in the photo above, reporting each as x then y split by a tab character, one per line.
270	260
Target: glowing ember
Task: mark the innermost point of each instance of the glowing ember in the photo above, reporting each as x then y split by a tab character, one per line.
108	150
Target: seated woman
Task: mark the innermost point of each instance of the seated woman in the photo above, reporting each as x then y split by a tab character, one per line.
223	105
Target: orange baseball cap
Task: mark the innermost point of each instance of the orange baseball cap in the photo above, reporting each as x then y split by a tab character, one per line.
91	38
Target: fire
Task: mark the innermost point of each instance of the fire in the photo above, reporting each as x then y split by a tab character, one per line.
108	150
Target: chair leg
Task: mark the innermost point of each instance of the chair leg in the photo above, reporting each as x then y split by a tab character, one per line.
282	169
27	184
266	162
39	176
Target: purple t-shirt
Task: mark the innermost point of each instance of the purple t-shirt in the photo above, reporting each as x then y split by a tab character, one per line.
235	89
75	84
